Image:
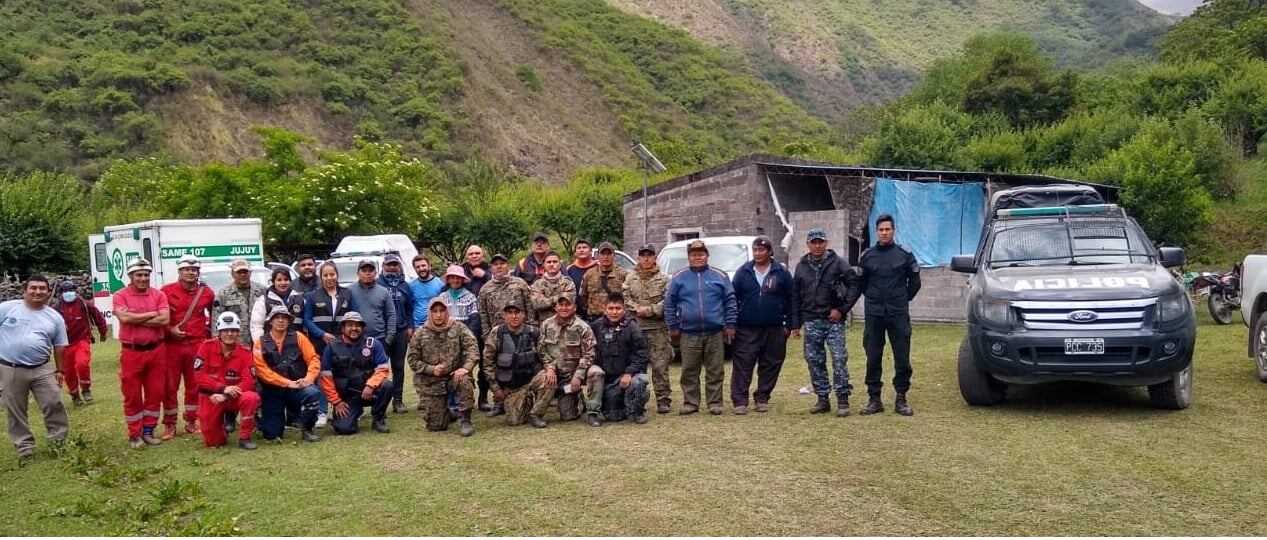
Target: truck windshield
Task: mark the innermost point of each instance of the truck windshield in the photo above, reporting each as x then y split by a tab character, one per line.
1052	243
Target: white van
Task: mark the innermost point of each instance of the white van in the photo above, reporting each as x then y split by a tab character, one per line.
353	249
726	253
162	242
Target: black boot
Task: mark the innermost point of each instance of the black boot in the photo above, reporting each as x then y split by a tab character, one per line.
498	410
593	420
842	406
873	406
536	421
380	425
309	436
639	417
398	406
468	429
902	407
823	405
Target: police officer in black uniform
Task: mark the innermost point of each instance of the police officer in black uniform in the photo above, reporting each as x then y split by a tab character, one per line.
622	353
516	375
888	275
355	373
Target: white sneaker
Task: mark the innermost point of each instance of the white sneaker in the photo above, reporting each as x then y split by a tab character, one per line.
321	420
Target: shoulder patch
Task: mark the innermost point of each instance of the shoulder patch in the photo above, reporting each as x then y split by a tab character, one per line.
197	363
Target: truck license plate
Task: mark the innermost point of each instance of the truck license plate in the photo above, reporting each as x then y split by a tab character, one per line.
1084	346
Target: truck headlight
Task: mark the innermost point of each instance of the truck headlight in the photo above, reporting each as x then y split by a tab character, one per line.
1173	307
995	312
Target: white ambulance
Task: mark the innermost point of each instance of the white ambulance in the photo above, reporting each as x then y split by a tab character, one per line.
214	241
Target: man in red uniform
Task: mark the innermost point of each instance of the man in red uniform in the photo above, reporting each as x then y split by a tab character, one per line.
143	318
81	319
190	303
222	368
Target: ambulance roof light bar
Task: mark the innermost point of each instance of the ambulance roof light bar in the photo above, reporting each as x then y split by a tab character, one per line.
1058	210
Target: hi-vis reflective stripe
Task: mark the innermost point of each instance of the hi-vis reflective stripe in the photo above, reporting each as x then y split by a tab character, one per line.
322	318
191	408
133	418
150	413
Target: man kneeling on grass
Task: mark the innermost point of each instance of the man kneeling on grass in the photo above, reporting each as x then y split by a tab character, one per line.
354	373
442	355
222	369
519	380
622	353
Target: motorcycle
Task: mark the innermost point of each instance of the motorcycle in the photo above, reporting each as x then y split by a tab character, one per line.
1222	292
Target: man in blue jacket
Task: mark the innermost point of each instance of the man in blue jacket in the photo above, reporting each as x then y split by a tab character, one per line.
763	290
700	303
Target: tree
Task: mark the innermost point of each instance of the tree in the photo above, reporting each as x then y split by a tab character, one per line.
1240	105
42	223
921	137
1018	87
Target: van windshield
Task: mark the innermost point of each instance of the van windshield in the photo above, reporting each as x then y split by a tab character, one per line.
1054	242
725	257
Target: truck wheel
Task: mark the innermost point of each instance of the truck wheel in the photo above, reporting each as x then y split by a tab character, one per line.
977	387
1175	394
1219	308
1259	335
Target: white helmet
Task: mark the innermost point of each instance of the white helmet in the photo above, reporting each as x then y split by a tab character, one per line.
139	263
228	321
188	261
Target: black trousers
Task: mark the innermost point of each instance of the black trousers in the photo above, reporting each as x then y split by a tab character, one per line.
356	407
898	328
760	347
397	355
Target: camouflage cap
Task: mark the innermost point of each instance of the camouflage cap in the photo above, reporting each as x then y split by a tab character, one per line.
607	246
239	265
563	299
816	234
515	304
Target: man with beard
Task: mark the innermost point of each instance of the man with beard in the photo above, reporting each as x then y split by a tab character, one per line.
354	374
644	298
423	289
306	266
403	297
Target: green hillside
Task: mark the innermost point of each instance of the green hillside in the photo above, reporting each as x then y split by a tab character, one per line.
546	86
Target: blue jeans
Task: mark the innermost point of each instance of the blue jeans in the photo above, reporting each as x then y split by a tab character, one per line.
356	407
820	336
275	399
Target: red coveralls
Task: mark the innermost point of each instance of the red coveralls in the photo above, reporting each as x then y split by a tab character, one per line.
180	352
77	358
142	362
214	372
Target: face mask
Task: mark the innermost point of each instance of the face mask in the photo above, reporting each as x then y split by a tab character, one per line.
68	296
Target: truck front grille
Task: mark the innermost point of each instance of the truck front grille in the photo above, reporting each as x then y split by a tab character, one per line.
1095	315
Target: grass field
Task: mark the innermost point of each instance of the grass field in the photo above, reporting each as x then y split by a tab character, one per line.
1054	460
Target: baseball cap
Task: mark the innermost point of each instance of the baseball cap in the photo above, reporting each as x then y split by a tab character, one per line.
366	262
514	304
606	246
762	241
138	264
697	245
238	265
188	261
228	321
498	256
646	248
541	237
391	258
66	285
816	234
563	298
352	316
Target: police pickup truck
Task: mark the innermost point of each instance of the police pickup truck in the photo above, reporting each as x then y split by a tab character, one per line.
1067	288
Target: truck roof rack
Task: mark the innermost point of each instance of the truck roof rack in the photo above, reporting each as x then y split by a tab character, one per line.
364	253
1111	210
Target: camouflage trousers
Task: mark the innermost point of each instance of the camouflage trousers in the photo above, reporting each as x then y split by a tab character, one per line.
619	403
573	405
530	399
661	354
820	336
435	407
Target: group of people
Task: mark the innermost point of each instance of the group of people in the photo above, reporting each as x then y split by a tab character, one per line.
591	339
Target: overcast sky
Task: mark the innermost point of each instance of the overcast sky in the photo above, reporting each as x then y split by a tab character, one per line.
1182	7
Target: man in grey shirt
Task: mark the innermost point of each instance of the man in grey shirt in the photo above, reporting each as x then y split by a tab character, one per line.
31	332
375	303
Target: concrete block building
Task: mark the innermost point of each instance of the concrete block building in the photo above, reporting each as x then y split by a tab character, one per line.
938	213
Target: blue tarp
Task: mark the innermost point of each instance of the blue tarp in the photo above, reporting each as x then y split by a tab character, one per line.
935	221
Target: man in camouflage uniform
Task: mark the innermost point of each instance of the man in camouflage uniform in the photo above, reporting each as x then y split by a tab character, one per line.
567	347
443	355
601	280
238	297
644	298
514	369
549	286
494	296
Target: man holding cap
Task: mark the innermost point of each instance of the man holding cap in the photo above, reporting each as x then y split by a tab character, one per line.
644	298
763	292
143	316
191	303
83	319
239	296
820	310
393	278
699	309
514	368
374	302
533	266
354	374
30	333
443	356
222	367
567	351
288	367
602	280
499	291
549	286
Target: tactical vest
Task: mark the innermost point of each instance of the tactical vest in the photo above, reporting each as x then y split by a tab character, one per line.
516	363
351	365
613	345
286	363
294	303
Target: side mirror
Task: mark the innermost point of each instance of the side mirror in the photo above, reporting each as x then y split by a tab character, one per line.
1172	256
964	264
